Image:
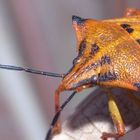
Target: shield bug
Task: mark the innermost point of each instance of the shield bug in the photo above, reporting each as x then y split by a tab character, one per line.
108	56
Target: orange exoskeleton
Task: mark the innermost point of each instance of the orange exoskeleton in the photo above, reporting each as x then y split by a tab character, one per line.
108	56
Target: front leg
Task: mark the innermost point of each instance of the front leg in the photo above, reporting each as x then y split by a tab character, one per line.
117	119
56	126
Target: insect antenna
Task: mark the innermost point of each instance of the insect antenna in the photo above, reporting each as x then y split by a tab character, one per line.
56	116
33	71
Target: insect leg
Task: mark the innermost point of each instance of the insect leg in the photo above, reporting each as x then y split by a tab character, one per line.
56	126
9	67
56	117
117	119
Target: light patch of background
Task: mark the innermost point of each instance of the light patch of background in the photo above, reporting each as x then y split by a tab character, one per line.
39	34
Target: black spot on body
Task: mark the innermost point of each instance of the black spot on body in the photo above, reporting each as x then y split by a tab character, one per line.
107	76
102	78
105	60
129	30
111	76
137	85
82	47
94	49
125	26
77	19
138	40
94	65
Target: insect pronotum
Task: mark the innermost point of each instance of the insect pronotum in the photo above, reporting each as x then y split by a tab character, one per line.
108	56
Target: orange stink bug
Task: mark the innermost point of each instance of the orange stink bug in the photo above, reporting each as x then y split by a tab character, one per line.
108	56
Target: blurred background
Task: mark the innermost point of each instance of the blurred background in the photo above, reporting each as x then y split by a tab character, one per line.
39	34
